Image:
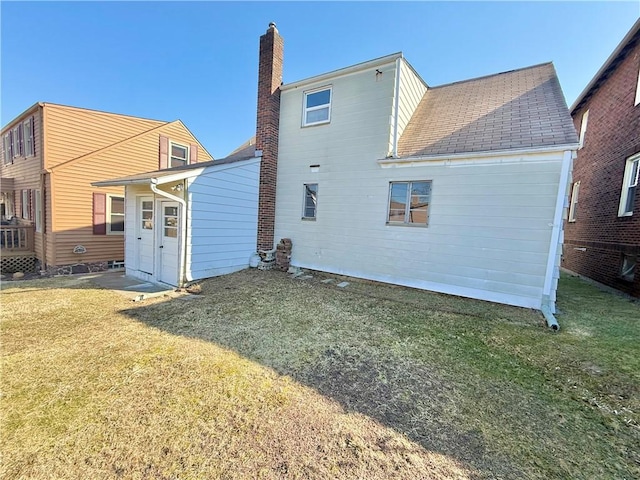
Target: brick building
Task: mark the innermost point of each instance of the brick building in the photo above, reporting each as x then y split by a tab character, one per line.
602	231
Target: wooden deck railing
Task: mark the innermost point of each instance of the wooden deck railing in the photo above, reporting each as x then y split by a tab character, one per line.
17	238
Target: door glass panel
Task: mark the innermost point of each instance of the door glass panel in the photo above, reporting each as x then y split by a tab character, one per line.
147	215
170	222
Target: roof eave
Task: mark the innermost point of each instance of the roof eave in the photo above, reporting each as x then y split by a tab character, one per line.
343	71
607	64
480	154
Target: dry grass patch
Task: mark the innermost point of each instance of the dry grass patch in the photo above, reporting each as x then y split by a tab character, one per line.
90	393
262	376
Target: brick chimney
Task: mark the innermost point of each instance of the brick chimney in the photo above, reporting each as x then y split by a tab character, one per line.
268	119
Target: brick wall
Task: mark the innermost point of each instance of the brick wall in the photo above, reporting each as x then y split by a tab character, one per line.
597	241
268	118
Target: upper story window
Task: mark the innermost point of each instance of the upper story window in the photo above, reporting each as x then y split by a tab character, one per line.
409	203
629	186
179	155
317	107
19	141
7	147
638	90
29	138
573	205
583	128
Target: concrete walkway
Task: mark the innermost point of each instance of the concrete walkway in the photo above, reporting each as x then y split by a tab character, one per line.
130	287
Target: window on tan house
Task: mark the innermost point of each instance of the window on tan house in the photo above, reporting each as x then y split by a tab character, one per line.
26	200
29	138
179	155
409	203
573	205
115	215
6	149
629	186
38	210
583	128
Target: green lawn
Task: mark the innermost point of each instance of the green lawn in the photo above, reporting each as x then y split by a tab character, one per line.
264	376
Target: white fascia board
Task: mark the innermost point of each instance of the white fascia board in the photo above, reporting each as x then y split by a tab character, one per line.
343	71
447	158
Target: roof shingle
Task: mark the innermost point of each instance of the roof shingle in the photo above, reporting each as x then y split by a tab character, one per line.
518	109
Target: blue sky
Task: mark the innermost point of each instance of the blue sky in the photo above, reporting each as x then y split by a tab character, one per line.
197	61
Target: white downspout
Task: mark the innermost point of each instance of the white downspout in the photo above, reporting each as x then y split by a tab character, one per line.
183	227
547	308
396	112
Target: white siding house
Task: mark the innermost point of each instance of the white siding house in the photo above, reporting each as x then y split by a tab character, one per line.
188	223
458	189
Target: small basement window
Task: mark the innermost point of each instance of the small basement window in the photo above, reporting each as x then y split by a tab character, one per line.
317	107
628	270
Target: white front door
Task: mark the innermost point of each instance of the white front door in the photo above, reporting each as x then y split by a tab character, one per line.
169	241
144	239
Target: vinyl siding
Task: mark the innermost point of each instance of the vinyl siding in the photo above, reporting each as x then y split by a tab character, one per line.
74	132
222	220
412	89
73	192
489	225
26	172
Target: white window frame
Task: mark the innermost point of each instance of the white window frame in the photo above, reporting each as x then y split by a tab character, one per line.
583	128
637	102
38	210
187	154
18	141
407	204
306	110
110	198
629	183
29	140
25	204
304	202
6	149
573	205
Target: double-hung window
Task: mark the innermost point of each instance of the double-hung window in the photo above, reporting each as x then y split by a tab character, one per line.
573	205
409	203
38	210
310	201
583	128
179	155
317	107
629	186
637	102
115	215
26	200
18	141
29	138
6	148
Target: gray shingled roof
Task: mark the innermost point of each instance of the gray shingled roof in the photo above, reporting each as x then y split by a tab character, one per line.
512	110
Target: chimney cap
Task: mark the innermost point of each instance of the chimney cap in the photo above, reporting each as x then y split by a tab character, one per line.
272	25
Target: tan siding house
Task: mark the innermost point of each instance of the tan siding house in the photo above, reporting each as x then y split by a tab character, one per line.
50	156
